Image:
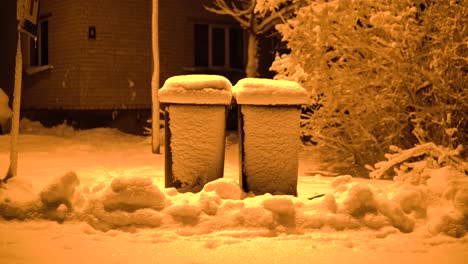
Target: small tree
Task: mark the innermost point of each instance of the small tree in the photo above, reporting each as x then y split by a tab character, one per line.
257	17
387	73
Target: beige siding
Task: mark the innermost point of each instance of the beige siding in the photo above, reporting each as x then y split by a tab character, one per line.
114	70
116	67
58	88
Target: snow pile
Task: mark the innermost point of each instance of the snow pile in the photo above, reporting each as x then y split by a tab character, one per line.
125	203
60	191
439	206
196	144
442	182
258	91
196	89
271	146
17	200
56	201
35	127
451	216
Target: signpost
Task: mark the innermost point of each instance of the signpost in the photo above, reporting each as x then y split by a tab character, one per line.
28	21
27	14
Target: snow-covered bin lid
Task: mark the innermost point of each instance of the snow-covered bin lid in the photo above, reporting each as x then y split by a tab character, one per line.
196	89
257	91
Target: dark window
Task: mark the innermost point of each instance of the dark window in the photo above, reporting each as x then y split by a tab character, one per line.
218	47
236	48
201	45
44	39
39	49
33	54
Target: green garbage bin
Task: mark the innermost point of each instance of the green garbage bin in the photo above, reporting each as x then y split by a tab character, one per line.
269	123
195	122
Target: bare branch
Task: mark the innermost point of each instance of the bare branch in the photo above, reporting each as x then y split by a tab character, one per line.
222	8
270	21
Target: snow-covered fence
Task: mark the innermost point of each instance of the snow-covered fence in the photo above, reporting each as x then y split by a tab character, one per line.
195	123
269	122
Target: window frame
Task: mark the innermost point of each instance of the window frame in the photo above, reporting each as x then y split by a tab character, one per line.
36	43
227	49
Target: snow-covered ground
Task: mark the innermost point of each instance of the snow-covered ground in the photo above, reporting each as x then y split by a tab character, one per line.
97	196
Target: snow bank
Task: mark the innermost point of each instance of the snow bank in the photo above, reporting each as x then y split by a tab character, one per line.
196	89
127	202
35	127
55	201
451	216
196	144
270	147
257	91
130	194
132	203
60	191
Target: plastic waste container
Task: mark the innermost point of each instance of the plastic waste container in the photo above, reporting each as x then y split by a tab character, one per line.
269	123
195	122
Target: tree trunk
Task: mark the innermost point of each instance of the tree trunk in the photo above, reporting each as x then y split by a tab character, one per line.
252	57
13	169
155	79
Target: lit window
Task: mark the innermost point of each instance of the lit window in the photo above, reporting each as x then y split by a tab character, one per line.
218	46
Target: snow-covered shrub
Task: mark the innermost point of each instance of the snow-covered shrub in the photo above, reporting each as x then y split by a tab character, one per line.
429	156
5	113
435	185
385	73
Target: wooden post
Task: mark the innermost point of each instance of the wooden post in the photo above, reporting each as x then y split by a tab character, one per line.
13	169
155	79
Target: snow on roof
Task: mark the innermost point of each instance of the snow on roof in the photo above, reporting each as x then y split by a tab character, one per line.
257	91
196	89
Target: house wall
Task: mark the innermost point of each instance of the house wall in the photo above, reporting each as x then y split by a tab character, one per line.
116	67
114	70
59	87
176	30
8	26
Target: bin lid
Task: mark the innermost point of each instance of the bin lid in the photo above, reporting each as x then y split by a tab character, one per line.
258	91
196	89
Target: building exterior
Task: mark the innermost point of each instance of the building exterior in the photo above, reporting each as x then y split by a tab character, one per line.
94	57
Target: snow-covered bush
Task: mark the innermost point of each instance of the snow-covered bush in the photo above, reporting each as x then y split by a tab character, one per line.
385	72
438	176
5	113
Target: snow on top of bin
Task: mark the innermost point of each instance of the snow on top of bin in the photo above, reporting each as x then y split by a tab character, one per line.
258	91
196	89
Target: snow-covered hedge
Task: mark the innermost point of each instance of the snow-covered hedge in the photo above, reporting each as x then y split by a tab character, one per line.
385	72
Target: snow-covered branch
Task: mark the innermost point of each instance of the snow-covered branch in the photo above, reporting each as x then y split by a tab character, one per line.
257	17
443	155
276	16
243	16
